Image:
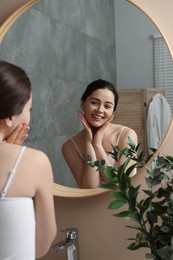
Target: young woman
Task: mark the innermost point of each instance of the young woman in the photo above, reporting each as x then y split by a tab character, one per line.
27	217
98	103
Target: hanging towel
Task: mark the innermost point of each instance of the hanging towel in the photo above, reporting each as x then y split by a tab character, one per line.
158	119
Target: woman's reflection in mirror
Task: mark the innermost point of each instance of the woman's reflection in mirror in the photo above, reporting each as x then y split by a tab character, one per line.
98	103
27	216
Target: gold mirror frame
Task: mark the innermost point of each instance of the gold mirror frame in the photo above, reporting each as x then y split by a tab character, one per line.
155	10
15	13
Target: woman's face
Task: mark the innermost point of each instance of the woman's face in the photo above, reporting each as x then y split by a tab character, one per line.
24	116
98	107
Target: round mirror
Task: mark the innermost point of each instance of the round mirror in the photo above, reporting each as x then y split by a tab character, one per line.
64	46
10	11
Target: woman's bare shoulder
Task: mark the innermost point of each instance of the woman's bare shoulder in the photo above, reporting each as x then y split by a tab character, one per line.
37	152
70	142
39	162
33	160
37	155
14	149
67	142
123	132
123	128
128	132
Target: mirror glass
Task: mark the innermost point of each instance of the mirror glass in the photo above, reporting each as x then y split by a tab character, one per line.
63	46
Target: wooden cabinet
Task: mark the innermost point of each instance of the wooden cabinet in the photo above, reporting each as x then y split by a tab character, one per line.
132	110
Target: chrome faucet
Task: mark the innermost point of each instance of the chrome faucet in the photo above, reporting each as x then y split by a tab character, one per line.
70	244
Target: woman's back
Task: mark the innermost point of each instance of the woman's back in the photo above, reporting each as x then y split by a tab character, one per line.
26	194
25	197
27	175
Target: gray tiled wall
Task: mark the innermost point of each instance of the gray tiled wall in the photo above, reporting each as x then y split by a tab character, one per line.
63	45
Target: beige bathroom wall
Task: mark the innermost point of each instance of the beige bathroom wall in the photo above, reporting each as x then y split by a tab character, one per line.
101	236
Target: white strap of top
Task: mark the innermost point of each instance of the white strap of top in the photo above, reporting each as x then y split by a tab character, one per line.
120	134
12	173
78	149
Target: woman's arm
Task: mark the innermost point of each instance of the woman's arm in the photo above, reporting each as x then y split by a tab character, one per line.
44	207
85	176
101	154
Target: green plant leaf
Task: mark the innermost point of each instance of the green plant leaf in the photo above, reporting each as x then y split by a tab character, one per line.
165	229
116	204
100	164
165	252
167	220
132	246
132	196
148	158
126	163
153	150
109	173
169	158
152	181
130	169
150	256
137	227
172	243
122	179
145	206
115	152
151	217
140	158
119	196
170	212
110	186
137	147
154	214
126	214
150	193
131	143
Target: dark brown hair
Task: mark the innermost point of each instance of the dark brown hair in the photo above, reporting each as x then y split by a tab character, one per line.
15	89
100	84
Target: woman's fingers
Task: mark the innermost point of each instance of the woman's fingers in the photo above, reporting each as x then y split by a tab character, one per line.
110	118
22	134
19	135
83	119
103	127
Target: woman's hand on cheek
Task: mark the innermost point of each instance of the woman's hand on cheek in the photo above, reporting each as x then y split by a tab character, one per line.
104	126
89	135
19	134
100	132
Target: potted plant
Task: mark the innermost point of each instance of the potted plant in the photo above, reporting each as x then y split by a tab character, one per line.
153	215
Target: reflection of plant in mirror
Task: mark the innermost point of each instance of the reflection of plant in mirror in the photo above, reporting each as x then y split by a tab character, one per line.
153	215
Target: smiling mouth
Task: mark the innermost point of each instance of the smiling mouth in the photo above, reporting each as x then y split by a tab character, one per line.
96	117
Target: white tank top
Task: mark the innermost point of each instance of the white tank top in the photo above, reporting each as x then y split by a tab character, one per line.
17	223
